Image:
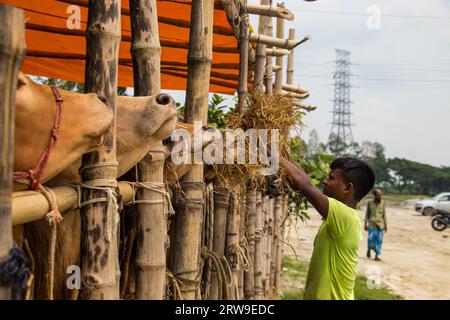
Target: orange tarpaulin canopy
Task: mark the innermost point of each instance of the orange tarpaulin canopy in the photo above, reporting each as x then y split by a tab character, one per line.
54	50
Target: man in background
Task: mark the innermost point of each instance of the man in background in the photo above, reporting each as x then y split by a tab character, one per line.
375	223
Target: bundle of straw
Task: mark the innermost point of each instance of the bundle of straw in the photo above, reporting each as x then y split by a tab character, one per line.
264	111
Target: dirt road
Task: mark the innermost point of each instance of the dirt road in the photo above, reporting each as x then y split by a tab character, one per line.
415	258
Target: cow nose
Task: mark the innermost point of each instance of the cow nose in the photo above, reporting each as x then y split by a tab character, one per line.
163	99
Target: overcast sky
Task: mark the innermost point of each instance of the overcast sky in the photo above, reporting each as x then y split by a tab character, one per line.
401	73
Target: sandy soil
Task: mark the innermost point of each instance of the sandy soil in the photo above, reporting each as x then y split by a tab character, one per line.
415	258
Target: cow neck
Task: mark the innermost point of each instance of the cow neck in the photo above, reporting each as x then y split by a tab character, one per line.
34	174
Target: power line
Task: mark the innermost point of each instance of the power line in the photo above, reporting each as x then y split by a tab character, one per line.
367	14
357	77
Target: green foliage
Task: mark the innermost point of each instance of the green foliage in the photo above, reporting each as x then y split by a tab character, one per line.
216	111
316	163
418	178
362	292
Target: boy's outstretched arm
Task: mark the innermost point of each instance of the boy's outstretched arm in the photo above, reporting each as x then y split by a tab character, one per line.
301	183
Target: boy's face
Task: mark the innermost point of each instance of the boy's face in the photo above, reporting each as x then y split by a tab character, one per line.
334	185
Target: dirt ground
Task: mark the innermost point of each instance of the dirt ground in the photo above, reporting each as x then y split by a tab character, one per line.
415	258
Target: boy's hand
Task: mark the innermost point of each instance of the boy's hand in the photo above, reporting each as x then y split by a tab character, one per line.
301	183
366	226
385	228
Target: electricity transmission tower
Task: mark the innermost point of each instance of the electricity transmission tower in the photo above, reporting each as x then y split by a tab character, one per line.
341	132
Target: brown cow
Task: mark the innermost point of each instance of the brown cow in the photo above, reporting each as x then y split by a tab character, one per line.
84	119
142	123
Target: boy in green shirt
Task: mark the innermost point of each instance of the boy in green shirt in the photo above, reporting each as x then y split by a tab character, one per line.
332	270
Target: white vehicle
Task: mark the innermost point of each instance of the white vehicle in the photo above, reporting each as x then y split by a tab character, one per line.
439	202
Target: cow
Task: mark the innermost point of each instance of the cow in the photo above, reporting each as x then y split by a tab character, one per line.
142	124
84	120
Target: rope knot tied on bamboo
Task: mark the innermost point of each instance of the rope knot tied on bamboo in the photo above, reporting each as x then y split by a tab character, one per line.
14	272
158	187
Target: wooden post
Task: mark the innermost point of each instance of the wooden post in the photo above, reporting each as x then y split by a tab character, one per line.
276	42
152	217
189	216
249	276
242	240
259	247
231	242
12	52
243	63
258	80
145	47
279	59
267	29
290	61
221	206
266	255
271	257
278	216
267	10
99	220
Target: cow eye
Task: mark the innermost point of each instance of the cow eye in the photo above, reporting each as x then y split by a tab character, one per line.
103	99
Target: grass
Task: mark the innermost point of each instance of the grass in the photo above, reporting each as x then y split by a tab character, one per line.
296	271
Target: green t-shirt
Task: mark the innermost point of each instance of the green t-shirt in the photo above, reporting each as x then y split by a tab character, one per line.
332	271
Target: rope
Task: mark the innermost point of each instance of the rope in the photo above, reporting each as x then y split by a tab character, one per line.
191	202
33	176
242	257
98	165
176	285
14	272
155	187
108	186
53	217
223	272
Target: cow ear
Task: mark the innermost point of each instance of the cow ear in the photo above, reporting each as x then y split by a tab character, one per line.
21	80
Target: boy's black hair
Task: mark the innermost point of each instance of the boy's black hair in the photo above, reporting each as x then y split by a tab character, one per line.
357	172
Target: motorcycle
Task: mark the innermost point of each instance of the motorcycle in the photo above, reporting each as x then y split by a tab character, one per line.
440	220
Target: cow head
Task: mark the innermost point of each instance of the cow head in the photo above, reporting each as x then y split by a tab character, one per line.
84	119
142	124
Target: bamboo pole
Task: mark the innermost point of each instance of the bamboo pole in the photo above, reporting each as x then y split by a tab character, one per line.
276	67
278	215
231	243
99	258
258	79
267	248
242	240
29	206
243	63
249	276
272	248
189	216
221	207
152	228
266	28
280	43
145	47
12	52
290	62
296	95
279	59
295	89
259	248
274	52
232	9
269	11
270	251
